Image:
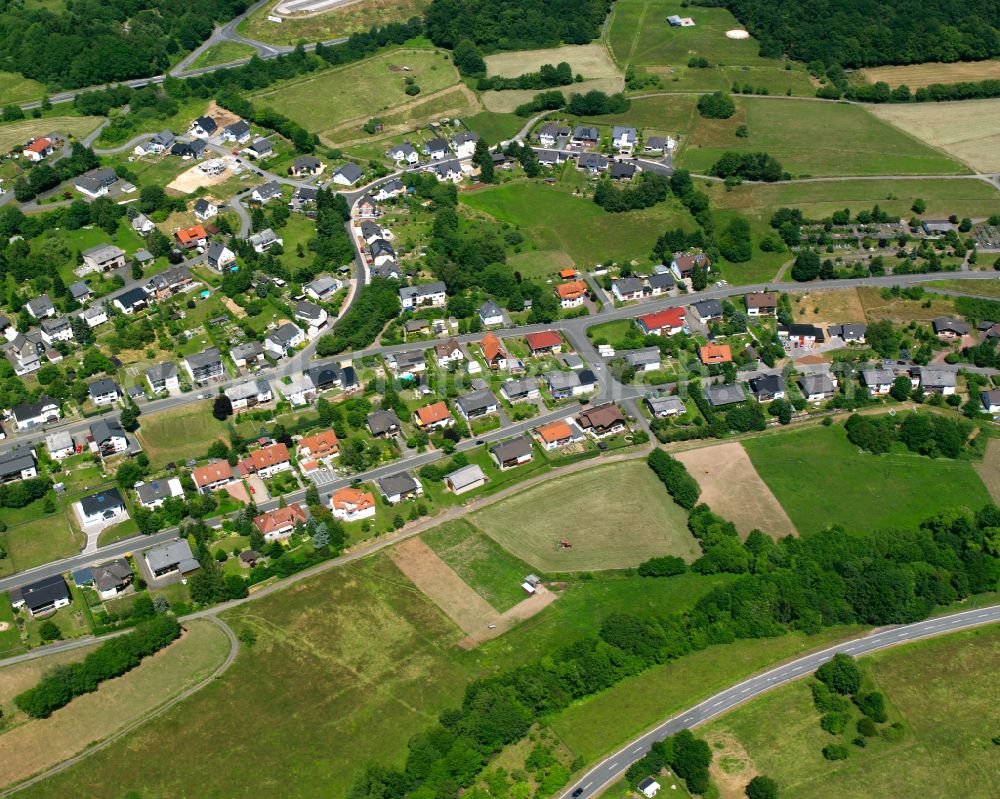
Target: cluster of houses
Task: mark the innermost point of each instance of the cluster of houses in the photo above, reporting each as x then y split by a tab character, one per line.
442	157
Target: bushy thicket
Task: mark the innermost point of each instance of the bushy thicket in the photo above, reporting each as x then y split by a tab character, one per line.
23	492
748	166
689	757
924	433
648	189
375	306
675	477
546	77
111	659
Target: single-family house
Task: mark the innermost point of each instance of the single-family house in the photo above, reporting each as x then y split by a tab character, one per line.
684	263
219	257
163	377
520	389
113	578
188	149
662	323
447	171
80	291
249	394
464	144
303	198
326	377
399	487
96	182
352	504
104	506
562	385
515	452
433	417
306	165
40	307
707	310
142	224
174	557
57	329
663	407
948	329
25	353
626	289
381	252
322	288
406	363
170	282
405	152
367	208
817	387
392	188
191	237
41	596
299	389
549	134
655	145
212	477
279	524
286	338
990	400
202	366
592	163
761	303
238	131
18	464
261	148
448	352
267	461
646	359
203	127
154	493
766	388
713	353
477	403
32	414
383	423
493	352
602	421
572	294
264	240
468	478
585	135
649	787
205	209
423	295
622	171
545	342
104	392
938	381
624	139
312	314
60	445
38	149
107	438
558	434
102	258
266	192
322	446
850	333
722	394
347	175
162	141
661	283
436	149
877	381
95	315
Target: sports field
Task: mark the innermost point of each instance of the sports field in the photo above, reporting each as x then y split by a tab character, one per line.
15	133
179	434
820	479
969	130
362	90
732	488
944	691
918	75
614	516
348	18
29	746
815	139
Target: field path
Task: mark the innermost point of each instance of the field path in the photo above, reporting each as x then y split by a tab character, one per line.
989	469
731	487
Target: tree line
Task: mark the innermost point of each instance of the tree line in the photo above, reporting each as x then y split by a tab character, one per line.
547	77
591	104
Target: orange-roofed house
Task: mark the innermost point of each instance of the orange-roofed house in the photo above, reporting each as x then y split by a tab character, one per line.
194	236
567	274
212	477
572	295
432	417
269	460
279	524
662	323
544	342
37	150
352	504
715	354
556	434
321	446
493	352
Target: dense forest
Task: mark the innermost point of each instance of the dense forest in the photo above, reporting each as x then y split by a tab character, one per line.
90	42
860	33
515	24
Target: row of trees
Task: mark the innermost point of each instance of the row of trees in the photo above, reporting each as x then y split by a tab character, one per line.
593	103
546	77
748	166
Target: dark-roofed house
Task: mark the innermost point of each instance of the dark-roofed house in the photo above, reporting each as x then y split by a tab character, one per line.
284	339
247	354
205	365
219	256
708	310
627	288
40	307
238	132
113	578
174	557
104	392
520	389
620	171
646	359
31	414
348	174
104	506
80	291
585	135
661	283
938	381
170	281
154	493
761	303
383	423
767	387
948	329
549	133
96	182
17	464
803	335
203	126
684	263
305	165
665	406
107	437
477	403
602	421
41	596
162	377
594	163
399	487
853	332
102	258
261	148
817	387
303	198
490	314
724	394
188	149
128	302
205	209
58	329
325	377
436	148
990	400
877	381
508	454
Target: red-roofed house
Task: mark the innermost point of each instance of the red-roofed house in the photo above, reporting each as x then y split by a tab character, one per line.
493	352
212	477
277	525
662	323
715	353
572	295
268	460
321	446
194	236
546	341
556	434
433	416
37	150
352	504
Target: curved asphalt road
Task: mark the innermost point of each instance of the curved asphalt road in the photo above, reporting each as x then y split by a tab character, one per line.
611	768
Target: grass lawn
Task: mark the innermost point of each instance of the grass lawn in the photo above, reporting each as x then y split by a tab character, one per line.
15	133
981	288
15	88
488	569
223	53
822	139
46	538
94	716
180	434
118	532
341	21
820	479
542	264
590	509
943	690
10	637
493	126
553	219
360	90
972	198
613	332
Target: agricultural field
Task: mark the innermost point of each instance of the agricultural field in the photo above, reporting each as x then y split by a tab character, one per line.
638	34
177	435
732	488
917	76
900	309
117	703
223	53
942	689
967	130
483	564
555	220
820	479
604	534
358	91
590	60
814	139
344	20
15	133
15	88
972	197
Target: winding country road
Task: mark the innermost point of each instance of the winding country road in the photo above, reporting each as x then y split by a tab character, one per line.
613	766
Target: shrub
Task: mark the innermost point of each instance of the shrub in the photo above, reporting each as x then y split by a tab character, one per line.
835	752
761	787
716	106
873	706
665	566
867	727
841	674
834	723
